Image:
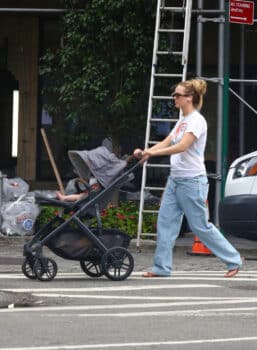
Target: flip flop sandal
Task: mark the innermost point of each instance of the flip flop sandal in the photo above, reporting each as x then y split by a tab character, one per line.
232	273
150	274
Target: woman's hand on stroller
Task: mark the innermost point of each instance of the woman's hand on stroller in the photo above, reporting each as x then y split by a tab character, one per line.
138	153
142	155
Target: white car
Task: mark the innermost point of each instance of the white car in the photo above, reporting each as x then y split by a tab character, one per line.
238	209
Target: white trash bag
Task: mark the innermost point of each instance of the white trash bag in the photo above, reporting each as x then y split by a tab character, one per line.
14	188
19	217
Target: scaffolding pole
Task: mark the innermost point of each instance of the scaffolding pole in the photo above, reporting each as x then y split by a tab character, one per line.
199	42
219	113
225	104
242	93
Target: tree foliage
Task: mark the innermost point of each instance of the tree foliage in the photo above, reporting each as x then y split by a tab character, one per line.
100	75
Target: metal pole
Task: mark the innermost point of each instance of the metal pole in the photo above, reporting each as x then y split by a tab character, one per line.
225	101
219	114
242	93
199	42
1	194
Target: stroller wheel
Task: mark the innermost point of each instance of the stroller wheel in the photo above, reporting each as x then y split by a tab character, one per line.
117	263
28	268
45	269
92	268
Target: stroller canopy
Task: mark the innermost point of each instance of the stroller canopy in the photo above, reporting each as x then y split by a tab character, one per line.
100	162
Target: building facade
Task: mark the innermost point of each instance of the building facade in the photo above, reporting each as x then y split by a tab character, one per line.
28	27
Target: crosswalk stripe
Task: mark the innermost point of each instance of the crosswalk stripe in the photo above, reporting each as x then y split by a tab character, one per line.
176	276
129	297
113	288
134	345
80	308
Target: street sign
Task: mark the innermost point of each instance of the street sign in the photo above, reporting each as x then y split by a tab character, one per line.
241	12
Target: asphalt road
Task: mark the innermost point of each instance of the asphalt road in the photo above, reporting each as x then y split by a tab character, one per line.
197	308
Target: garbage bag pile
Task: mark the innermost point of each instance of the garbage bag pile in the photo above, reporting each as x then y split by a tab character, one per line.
19	210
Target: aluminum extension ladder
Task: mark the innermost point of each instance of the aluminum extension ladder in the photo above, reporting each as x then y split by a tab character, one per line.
170	50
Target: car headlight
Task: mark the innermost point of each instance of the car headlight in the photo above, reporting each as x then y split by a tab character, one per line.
246	168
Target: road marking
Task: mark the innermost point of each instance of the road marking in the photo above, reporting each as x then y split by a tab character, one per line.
136	274
203	278
110	289
208	273
207	276
128	297
200	272
177	313
134	306
136	344
139	273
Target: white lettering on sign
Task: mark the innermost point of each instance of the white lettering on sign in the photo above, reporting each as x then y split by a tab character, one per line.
237	10
240	4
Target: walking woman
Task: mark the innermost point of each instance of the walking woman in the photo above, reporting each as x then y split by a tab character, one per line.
187	186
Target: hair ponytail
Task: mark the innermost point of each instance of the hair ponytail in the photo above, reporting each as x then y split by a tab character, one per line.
196	88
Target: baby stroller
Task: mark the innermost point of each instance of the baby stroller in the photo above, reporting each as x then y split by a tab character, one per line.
100	251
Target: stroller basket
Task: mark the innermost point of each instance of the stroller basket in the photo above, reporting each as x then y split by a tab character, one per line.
72	243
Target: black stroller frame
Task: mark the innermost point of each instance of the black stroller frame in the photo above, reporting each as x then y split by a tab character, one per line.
100	251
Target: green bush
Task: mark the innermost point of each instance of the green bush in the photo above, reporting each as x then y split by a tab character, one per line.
47	213
123	217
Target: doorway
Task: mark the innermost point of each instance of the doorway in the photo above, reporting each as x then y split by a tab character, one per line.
8	158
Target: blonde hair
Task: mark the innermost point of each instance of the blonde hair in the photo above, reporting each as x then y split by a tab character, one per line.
196	88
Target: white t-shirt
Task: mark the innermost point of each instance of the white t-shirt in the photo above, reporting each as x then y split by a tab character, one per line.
189	163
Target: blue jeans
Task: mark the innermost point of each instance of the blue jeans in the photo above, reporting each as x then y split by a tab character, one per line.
188	196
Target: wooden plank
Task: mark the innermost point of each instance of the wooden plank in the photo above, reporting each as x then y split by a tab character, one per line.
52	161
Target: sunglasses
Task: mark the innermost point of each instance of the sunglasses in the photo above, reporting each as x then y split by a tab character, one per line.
176	94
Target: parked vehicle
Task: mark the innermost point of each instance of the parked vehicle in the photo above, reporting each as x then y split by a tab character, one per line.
238	209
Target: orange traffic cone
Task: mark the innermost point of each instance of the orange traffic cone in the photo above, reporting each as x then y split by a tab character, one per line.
198	248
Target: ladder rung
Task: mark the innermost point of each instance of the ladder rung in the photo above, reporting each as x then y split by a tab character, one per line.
148	234
153	142
152	188
167	75
163	120
148	211
171	30
173	9
162	97
150	165
178	53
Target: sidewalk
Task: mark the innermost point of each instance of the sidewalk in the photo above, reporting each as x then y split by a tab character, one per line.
11	248
184	244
